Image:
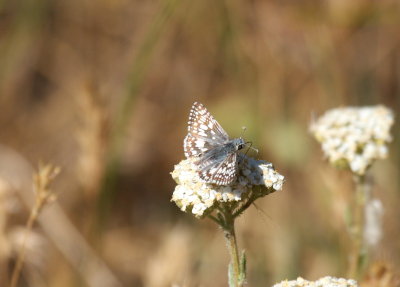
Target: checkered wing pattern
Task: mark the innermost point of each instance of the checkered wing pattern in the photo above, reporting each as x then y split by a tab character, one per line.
210	144
221	172
204	132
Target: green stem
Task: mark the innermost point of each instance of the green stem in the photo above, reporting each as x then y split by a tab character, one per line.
135	81
230	236
357	227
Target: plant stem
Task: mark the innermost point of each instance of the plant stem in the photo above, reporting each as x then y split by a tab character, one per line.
21	257
230	236
357	227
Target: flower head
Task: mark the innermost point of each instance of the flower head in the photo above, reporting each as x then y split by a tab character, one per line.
327	281
256	178
354	137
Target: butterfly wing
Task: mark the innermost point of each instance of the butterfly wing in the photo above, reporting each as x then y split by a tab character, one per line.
221	171
204	132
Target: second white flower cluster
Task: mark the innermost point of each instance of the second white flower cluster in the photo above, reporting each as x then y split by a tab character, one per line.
354	137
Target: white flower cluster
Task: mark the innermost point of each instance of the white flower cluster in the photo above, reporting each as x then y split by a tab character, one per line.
198	197
327	281
354	137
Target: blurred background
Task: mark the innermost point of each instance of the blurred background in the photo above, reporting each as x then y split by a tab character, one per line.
103	90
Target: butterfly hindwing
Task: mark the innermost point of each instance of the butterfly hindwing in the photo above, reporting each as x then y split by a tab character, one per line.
221	173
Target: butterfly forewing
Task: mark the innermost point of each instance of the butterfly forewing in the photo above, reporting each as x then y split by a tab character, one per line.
204	132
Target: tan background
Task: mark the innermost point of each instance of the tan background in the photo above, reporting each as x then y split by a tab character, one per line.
103	90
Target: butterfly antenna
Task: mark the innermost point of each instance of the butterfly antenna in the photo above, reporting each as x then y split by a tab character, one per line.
248	143
243	131
251	146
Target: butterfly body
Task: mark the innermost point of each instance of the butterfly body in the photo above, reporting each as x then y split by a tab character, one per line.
215	153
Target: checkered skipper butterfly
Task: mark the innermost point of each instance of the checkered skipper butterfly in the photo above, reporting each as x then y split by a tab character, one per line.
208	142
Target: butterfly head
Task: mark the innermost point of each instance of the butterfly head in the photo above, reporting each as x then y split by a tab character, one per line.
239	143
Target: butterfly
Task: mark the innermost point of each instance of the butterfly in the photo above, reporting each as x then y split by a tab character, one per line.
208	142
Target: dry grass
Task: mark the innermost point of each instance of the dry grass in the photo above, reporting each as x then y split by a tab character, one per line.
43	197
